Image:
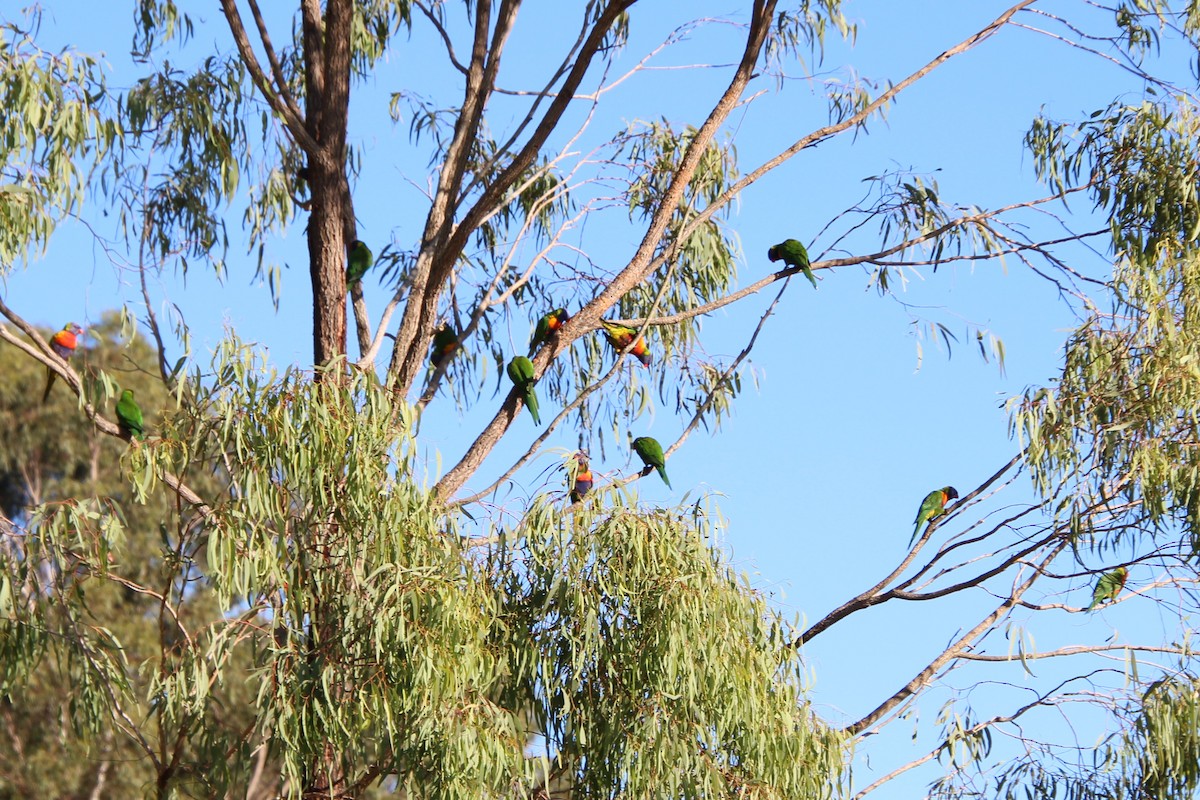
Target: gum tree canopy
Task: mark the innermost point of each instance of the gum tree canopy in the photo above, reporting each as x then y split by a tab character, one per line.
282	589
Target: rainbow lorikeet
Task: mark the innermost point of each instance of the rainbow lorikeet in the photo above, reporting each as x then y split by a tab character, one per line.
358	262
794	254
520	372
546	326
651	453
1108	586
129	416
583	480
63	344
445	343
932	507
620	337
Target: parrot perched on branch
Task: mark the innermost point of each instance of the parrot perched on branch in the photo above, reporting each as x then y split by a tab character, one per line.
651	453
793	254
520	371
620	337
1108	586
359	261
63	344
445	343
583	480
546	326
129	417
932	507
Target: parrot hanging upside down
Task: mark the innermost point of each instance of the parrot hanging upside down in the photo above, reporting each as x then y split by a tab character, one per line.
129	417
520	371
620	337
358	262
651	453
547	325
932	507
794	254
445	343
63	344
1108	587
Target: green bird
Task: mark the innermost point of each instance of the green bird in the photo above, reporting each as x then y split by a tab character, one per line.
445	343
794	255
129	416
520	371
932	507
358	262
1108	587
621	336
547	325
651	453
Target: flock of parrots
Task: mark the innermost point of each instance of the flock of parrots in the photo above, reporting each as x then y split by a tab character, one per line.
520	372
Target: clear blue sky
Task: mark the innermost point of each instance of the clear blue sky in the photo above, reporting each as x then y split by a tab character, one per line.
821	469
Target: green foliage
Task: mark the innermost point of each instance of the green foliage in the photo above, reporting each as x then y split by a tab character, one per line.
52	133
653	656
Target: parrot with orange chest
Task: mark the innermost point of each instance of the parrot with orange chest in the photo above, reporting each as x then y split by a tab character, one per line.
445	343
546	326
620	337
583	480
932	507
63	344
1108	587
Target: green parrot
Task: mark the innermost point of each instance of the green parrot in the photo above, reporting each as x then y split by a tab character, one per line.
620	336
129	416
546	326
445	343
359	261
63	344
794	255
520	371
932	507
1108	587
651	453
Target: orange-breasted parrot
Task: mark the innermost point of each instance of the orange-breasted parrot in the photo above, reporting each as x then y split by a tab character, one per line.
358	262
546	326
651	453
520	372
932	507
129	416
445	343
1108	586
583	480
620	336
794	254
63	344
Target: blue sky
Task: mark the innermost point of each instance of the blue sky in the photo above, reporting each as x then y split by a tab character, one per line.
820	470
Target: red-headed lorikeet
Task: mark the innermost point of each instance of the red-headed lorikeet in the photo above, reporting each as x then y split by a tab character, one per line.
583	480
129	416
358	262
651	453
932	507
520	372
546	326
794	254
63	344
445	343
1108	586
620	337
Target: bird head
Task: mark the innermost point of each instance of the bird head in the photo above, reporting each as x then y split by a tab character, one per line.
773	253
950	492
644	358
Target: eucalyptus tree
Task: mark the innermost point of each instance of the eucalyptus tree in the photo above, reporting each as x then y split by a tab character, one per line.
389	636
